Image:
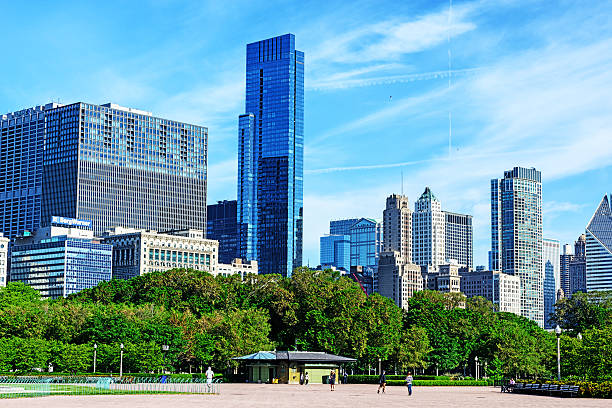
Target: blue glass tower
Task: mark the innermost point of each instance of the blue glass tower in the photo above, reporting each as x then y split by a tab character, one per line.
335	250
270	156
222	226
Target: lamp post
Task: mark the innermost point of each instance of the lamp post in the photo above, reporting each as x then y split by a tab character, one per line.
121	362
165	348
95	355
558	333
476	364
379	366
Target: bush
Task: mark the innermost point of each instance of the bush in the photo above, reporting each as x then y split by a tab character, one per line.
431	380
373	379
589	389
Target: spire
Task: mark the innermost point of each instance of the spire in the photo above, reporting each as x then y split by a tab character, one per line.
428	195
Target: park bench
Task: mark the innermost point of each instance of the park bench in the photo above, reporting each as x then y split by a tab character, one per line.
569	390
532	388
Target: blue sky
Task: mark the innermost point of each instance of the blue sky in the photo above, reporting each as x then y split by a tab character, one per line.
531	85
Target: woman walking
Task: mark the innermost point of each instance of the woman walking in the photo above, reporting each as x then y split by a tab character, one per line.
332	379
409	383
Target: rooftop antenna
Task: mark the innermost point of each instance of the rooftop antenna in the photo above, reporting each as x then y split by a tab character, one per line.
450	120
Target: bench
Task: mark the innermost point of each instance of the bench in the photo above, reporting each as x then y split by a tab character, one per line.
569	390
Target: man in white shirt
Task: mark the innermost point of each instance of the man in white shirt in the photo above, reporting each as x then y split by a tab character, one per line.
209	377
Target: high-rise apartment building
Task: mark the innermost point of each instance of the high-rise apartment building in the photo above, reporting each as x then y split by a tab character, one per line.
397	279
564	271
335	250
599	248
222	226
577	266
428	231
516	235
458	238
397	226
22	136
4	243
552	277
501	289
271	155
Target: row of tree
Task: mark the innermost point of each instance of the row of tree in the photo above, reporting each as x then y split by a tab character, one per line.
207	320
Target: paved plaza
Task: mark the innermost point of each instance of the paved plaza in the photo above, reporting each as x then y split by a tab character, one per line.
352	395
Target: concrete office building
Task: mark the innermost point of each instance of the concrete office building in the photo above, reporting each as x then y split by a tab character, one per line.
4	243
136	252
599	248
516	235
397	226
428	231
577	266
222	226
271	156
61	259
501	289
552	277
444	278
397	279
237	267
458	238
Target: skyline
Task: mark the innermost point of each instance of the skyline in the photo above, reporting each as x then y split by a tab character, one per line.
538	113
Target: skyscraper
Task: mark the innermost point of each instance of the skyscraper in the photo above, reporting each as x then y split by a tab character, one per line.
516	235
335	250
366	238
599	248
458	238
550	266
271	155
577	266
342	227
22	136
397	226
564	270
222	226
428	243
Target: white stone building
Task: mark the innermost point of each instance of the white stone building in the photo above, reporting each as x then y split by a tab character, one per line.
397	226
428	231
238	266
397	279
501	289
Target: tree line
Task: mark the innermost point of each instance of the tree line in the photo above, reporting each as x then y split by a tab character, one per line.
206	320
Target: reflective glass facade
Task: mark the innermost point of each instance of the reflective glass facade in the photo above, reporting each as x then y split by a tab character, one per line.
342	227
552	277
599	248
335	250
516	235
222	226
366	242
270	156
119	166
61	266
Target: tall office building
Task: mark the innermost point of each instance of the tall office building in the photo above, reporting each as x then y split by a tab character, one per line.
551	268
516	235
271	155
428	224
4	243
366	238
397	279
222	226
599	248
577	266
22	136
335	250
458	238
397	226
123	167
564	271
342	227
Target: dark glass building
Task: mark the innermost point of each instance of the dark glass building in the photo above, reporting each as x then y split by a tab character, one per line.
222	226
123	167
270	156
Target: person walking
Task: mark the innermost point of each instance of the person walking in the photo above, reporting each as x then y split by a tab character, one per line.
409	383
306	378
382	382
209	377
345	378
332	379
302	378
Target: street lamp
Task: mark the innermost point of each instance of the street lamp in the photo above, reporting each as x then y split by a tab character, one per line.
558	333
95	355
379	366
476	360
121	362
165	348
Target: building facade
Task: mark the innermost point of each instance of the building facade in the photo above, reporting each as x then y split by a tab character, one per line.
458	238
271	155
237	267
342	227
577	266
4	244
335	250
444	278
22	136
516	235
61	259
397	226
428	233
397	279
363	278
564	269
598	247
222	226
501	289
366	240
552	277
136	252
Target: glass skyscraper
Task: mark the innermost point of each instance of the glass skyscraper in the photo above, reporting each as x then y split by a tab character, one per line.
599	248
222	226
516	235
551	259
335	250
270	156
458	238
366	244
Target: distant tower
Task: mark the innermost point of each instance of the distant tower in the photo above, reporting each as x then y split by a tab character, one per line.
550	266
599	248
397	226
428	231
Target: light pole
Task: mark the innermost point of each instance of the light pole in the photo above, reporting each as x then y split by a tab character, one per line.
558	333
165	348
121	362
379	366
95	355
476	364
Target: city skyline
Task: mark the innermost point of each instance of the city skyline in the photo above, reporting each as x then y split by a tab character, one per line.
400	89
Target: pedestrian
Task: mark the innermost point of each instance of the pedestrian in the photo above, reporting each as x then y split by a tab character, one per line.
302	379
209	377
345	379
382	382
332	379
409	383
306	378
